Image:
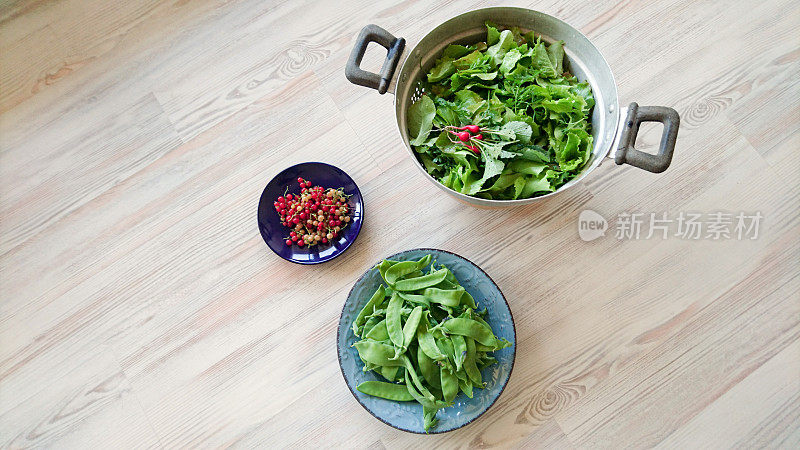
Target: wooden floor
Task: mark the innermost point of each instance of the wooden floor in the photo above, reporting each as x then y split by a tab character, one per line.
140	307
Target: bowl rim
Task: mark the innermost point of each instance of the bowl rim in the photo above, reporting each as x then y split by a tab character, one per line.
513	356
347	243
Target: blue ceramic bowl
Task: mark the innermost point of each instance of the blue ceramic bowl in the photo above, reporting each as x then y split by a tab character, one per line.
320	174
407	416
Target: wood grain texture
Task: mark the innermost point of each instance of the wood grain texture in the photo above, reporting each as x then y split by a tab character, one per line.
140	308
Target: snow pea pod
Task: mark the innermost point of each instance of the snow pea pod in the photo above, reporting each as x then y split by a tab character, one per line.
393	320
415	284
467	300
498	344
429	369
428	404
429	417
389	391
446	297
470	328
469	364
384	266
371	322
451	277
394	272
368	309
409	330
486	361
446	346
459	350
413	298
449	384
377	353
378	332
466	387
414	274
415	378
426	342
411	325
390	373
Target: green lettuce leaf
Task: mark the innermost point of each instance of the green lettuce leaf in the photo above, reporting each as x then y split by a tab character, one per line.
420	119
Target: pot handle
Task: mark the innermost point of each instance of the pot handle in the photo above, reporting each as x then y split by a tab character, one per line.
627	154
394	47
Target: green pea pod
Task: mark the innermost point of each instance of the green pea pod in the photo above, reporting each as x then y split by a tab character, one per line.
429	369
377	353
384	265
389	391
483	348
459	350
467	300
486	361
378	332
427	343
390	373
414	274
479	318
498	344
415	378
413	298
470	328
415	284
445	297
445	284
446	346
393	320
501	343
451	277
396	271
466	387
367	309
371	322
411	326
449	384
429	417
470	365
462	376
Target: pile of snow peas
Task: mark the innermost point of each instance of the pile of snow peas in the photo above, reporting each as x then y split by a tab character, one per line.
422	332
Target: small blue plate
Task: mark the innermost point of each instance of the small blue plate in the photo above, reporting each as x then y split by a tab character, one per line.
407	416
269	221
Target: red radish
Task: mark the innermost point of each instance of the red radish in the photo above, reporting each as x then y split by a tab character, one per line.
474	148
473	129
463	136
479	137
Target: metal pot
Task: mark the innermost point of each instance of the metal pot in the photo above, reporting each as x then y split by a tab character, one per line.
612	127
